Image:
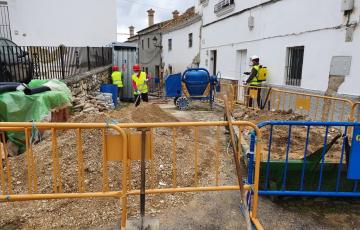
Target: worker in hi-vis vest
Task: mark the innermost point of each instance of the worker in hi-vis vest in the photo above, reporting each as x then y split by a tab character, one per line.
116	78
258	74
139	83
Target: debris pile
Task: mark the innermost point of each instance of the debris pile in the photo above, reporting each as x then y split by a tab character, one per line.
99	102
256	116
280	135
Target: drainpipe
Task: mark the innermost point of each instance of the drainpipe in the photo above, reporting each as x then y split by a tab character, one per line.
138	50
200	38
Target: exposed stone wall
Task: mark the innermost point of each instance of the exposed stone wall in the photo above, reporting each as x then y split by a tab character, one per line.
85	91
88	82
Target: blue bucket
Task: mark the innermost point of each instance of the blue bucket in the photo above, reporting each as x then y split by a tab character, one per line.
110	88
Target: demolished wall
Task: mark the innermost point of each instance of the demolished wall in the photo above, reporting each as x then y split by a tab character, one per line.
85	90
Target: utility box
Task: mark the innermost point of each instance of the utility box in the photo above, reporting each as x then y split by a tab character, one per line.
340	65
251	22
347	5
125	56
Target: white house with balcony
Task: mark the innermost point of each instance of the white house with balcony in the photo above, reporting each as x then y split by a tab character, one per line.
181	42
51	23
302	43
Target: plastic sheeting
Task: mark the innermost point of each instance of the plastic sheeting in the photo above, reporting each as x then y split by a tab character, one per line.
18	107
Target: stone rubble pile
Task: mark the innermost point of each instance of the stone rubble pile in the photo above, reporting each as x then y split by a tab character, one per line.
98	102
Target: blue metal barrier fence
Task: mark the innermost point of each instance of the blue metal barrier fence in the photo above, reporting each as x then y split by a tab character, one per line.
326	162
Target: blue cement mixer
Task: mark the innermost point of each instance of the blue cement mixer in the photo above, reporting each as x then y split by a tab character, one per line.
193	84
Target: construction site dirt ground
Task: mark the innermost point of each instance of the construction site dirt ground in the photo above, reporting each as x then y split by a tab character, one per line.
207	210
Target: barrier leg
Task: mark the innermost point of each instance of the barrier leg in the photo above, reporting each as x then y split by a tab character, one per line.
143	168
123	211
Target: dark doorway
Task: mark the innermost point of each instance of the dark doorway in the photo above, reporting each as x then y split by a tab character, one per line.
213	57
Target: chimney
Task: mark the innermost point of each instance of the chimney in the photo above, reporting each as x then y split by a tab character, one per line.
175	14
151	13
131	30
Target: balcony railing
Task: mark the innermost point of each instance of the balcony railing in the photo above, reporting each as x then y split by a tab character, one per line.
223	5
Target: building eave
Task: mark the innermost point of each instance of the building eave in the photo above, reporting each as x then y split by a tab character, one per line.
184	24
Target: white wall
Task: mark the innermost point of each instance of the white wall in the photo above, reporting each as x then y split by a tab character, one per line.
278	26
181	55
208	10
68	22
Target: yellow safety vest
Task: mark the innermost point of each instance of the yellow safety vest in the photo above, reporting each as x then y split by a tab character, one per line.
140	82
116	79
255	80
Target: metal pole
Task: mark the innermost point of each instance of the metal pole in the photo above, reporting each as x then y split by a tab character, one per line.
102	55
88	57
62	61
143	168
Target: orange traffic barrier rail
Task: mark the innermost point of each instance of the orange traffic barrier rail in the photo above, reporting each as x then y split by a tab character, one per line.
355	112
227	90
199	148
316	107
252	96
34	191
124	143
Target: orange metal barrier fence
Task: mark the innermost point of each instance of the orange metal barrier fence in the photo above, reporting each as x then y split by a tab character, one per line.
201	142
227	90
36	188
198	148
355	112
252	96
315	107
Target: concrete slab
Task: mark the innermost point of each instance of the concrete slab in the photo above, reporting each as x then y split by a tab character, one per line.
149	224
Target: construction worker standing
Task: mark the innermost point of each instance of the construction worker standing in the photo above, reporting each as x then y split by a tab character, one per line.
116	78
254	80
139	83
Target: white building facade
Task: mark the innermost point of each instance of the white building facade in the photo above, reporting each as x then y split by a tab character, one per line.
301	43
181	45
67	22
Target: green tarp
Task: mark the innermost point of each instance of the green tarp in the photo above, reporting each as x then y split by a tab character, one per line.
37	83
18	107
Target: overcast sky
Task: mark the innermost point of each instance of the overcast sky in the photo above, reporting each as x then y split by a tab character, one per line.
133	12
